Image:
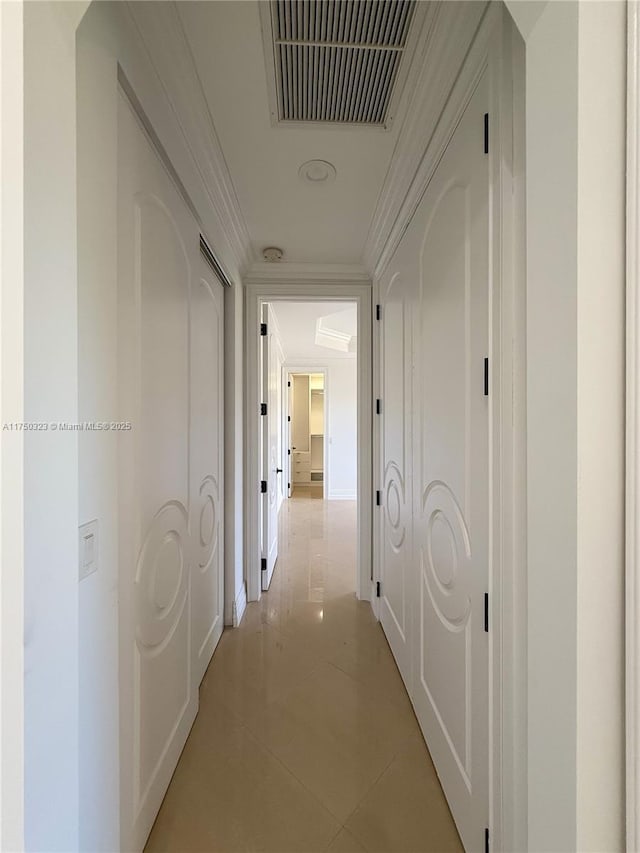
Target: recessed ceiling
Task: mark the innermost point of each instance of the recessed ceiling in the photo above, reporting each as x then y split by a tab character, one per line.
311	226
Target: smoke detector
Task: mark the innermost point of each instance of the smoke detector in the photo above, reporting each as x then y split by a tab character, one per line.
317	172
272	254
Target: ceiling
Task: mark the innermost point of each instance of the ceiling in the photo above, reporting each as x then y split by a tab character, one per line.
312	223
298	322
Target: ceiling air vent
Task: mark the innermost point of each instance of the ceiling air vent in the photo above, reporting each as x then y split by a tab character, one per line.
337	61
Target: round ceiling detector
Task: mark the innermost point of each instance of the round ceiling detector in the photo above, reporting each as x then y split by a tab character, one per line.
272	254
317	172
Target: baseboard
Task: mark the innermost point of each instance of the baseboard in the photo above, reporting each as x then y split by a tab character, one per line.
342	495
239	605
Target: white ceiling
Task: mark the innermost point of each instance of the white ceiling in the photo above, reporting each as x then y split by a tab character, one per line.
313	224
297	323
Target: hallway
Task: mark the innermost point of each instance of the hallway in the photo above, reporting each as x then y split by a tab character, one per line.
305	739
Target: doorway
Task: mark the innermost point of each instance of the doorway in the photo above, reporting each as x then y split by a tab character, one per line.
346	378
305	419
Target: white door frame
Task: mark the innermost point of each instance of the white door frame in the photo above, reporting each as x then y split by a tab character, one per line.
257	291
632	594
289	368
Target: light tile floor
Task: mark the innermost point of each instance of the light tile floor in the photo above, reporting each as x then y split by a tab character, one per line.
306	740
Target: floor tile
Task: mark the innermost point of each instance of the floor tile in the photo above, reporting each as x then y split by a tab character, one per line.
306	739
344	842
406	811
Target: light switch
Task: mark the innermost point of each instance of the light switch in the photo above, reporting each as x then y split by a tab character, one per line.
88	548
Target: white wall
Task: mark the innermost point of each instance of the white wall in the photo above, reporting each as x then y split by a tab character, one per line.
601	424
98	456
71	698
575	60
50	458
11	443
341	430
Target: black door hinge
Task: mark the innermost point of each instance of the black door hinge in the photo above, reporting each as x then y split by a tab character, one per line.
378	312
288	385
486	612
288	451
288	485
378	498
263	486
263	329
486	839
263	564
378	589
263	408
486	133
288	418
378	406
486	377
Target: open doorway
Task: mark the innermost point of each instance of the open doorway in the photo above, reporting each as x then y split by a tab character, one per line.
305	403
308	413
310	439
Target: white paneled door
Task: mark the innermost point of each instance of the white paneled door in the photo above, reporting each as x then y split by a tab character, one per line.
170	486
271	462
396	471
434	553
207	465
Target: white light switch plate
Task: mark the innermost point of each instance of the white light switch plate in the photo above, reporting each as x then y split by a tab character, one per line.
88	548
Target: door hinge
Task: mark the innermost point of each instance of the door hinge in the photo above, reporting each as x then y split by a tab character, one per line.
486	377
263	486
378	497
288	384
486	839
378	589
288	451
288	485
378	312
378	406
288	418
486	133
263	329
486	612
263	564
263	408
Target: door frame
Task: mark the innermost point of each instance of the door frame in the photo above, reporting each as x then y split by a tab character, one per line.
287	370
257	291
632	545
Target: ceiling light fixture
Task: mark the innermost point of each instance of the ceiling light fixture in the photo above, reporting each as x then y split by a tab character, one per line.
317	172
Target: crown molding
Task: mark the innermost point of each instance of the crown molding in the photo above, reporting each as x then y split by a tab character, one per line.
262	271
160	28
447	39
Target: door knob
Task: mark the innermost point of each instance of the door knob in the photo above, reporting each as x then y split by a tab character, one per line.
278	470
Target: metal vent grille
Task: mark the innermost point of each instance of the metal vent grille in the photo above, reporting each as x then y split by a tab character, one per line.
338	60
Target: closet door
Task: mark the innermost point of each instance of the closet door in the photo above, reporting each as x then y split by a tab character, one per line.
396	576
451	497
207	465
170	364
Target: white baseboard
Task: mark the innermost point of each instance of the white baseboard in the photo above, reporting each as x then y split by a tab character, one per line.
342	495
239	606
